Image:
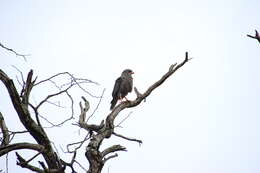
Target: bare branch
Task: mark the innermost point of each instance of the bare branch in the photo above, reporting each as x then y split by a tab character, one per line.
173	68
67	119
112	149
82	116
95	158
25	164
110	157
138	94
13	133
43	166
52	95
257	36
123	119
91	127
72	82
11	50
70	75
33	157
97	105
17	146
27	88
21	74
4	129
76	143
80	165
127	138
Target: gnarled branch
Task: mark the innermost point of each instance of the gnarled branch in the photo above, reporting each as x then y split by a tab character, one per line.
93	154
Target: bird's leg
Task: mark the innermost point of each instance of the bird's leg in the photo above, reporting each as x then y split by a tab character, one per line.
126	99
121	99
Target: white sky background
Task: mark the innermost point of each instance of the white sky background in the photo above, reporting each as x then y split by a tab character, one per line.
203	119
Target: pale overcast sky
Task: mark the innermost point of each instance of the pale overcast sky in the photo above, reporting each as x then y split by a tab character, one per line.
204	119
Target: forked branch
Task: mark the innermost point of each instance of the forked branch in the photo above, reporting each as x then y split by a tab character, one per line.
257	36
95	157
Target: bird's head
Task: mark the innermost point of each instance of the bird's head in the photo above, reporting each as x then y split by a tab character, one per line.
127	72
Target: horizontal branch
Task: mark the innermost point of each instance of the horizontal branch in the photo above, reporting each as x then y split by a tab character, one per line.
92	127
6	149
127	138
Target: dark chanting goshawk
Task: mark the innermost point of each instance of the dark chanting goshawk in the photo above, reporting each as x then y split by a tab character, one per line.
123	85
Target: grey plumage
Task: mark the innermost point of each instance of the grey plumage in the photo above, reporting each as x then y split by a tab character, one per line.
123	85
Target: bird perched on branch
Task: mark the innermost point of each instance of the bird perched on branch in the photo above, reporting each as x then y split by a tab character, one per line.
123	85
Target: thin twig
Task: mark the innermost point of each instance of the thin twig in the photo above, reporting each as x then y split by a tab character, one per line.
80	166
75	143
21	74
100	98
127	138
17	54
6	162
124	119
73	81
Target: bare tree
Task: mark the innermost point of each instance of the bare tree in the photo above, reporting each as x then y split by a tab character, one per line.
30	117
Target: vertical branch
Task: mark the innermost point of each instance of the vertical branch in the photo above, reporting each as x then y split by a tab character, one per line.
4	129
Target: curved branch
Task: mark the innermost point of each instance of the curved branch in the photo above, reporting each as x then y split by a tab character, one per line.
112	149
18	146
110	157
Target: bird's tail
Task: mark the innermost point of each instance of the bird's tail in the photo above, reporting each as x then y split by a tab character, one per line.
113	103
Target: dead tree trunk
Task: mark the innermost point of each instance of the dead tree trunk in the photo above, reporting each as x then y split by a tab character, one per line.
98	158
